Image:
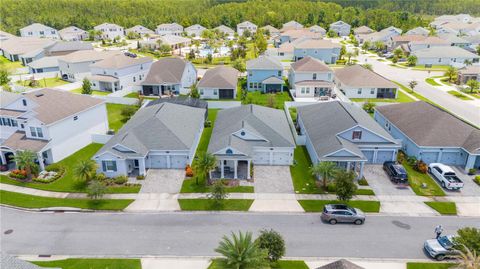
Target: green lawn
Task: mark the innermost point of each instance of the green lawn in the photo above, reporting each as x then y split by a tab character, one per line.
444	208
278	265
94	92
12	66
115	118
459	95
401	98
432	81
418	96
416	179
207	205
475	94
31	201
260	98
364	192
429	265
135	95
44	82
303	180
68	182
317	205
92	264
433	68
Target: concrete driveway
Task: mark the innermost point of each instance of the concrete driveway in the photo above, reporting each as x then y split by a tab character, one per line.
470	188
272	179
380	182
162	181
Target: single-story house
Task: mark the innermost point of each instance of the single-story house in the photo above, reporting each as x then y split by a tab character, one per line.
25	49
250	134
195	30
340	27
449	55
456	41
76	65
44	65
169	76
418	31
169	29
65	47
161	136
244	26
467	73
140	30
5	36
431	134
265	74
39	30
356	81
345	134
310	77
219	83
321	49
110	31
73	33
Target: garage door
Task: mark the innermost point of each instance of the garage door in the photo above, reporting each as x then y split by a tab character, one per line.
429	157
261	158
157	161
369	155
450	158
281	158
384	156
179	161
226	93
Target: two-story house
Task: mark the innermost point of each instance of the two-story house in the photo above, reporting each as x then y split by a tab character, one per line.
195	30
320	49
140	30
426	43
110	31
52	123
265	74
311	78
118	72
244	26
73	33
341	28
76	65
169	29
39	30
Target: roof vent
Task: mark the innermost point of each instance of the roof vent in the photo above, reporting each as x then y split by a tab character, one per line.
39	95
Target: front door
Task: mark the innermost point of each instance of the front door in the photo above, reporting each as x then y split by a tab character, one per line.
135	163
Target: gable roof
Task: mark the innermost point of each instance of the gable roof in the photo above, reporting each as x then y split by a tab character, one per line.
225	29
109	25
140	29
6	98
121	61
444	51
309	64
316	44
470	69
166	70
340	264
408	38
430	126
301	33
222	77
70	30
69	46
36	27
317	29
87	56
363	30
264	62
339	23
44	62
268	123
359	76
23	45
163	126
246	23
195	27
418	30
170	25
453	39
180	100
430	40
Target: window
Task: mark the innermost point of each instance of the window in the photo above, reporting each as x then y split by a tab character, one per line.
53	32
14	123
201	91
24	102
39	132
33	131
372	91
314	76
134	79
359	91
329	75
115	73
303	90
42	32
279	73
251	85
357	135
109	166
307	90
36	132
215	91
250	73
242	133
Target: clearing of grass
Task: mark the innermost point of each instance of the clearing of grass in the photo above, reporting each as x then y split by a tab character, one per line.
135	95
444	208
31	201
115	118
317	205
68	182
401	98
12	66
429	265
209	205
277	99
417	179
459	95
92	263
432	81
43	83
94	92
303	181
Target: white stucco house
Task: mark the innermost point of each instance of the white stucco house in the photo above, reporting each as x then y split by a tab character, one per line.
449	55
311	78
246	25
110	31
340	27
73	33
219	83
169	29
39	30
76	65
52	123
195	30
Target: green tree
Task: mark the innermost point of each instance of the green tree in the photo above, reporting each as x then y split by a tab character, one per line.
273	242
412	84
86	86
85	169
412	60
209	58
164	49
349	56
345	186
194	91
468	237
451	73
4	75
96	189
473	85
324	170
218	193
239	64
343	50
205	163
369	107
191	54
260	43
247	33
332	33
478	49
398	52
379	45
241	252
468	259
366	45
25	160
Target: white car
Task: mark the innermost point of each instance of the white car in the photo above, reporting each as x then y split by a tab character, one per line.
446	176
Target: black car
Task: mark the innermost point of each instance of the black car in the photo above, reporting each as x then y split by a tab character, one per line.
396	172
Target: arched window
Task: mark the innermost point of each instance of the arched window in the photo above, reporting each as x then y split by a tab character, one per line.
229	151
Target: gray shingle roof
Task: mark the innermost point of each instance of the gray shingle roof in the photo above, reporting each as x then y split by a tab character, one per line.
186	101
36	27
359	76
45	62
340	264
265	122
222	77
164	126
69	46
444	51
7	98
121	61
165	70
264	62
10	262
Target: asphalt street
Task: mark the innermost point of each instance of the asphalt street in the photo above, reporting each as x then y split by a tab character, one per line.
197	234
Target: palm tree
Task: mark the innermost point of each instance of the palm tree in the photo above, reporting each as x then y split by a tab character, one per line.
349	56
25	160
325	170
85	169
468	259
205	163
241	252
451	73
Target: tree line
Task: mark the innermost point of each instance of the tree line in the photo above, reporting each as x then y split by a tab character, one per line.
209	13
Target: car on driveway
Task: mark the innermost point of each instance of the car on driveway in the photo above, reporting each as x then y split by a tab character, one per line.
446	176
441	248
334	213
396	172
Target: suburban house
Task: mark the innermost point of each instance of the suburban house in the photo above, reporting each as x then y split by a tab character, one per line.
169	76
456	41
418	31
219	83
25	49
384	36
431	134
140	30
174	41
161	136
340	27
195	30
244	26
356	81
291	25
312	78
265	74
110	31
118	72
169	29
474	40
467	73
292	35
76	65
250	134
343	133
362	30
44	65
73	33
39	30
227	31
448	55
272	31
402	41
65	47
317	29
321	49
52	123
429	42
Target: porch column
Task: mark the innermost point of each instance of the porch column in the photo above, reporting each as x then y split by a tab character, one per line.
221	169
375	153
360	175
348	166
235	166
141	167
40	161
2	157
248	169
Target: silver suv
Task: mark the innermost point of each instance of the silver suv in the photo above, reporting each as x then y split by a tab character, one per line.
440	248
333	213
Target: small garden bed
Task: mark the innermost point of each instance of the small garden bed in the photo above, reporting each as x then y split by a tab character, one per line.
94	92
444	208
432	81
421	183
209	205
317	205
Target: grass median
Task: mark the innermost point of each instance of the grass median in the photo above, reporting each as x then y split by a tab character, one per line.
91	263
444	208
31	201
209	205
317	205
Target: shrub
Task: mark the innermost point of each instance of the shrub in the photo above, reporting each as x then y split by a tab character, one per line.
363	182
369	107
331	187
421	167
273	242
140	177
100	177
345	186
411	160
341	62
477	179
472	171
18	174
188	171
121	180
96	189
401	157
207	124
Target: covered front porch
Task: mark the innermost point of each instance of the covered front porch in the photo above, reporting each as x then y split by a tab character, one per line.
355	166
386	93
272	85
231	169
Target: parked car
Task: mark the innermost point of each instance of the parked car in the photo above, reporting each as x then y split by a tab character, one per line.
334	213
441	248
388	55
396	172
446	176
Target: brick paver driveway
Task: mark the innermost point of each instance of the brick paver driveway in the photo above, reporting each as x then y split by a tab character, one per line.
272	179
163	181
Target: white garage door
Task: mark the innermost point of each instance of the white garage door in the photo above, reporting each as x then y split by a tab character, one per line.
281	158
158	161
450	158
429	157
369	155
384	156
261	158
179	161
